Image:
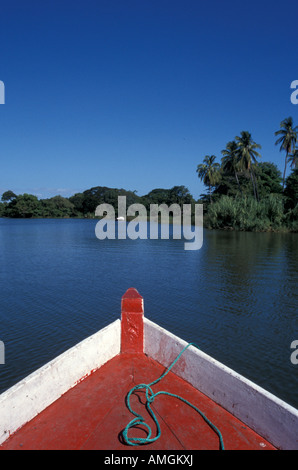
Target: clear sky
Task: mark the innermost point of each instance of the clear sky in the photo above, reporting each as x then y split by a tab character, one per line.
134	93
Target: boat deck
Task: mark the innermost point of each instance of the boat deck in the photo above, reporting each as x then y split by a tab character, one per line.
93	414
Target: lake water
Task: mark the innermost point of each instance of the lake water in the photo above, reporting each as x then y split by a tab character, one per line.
236	297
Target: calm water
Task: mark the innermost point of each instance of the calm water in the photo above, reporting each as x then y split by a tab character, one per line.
236	297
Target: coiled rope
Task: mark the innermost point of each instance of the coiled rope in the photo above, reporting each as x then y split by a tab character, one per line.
150	397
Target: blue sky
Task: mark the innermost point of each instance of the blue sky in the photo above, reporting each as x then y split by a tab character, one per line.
133	94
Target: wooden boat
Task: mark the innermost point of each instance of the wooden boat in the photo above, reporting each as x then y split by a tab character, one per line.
89	397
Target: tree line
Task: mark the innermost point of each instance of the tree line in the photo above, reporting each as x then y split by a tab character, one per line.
242	192
83	204
246	194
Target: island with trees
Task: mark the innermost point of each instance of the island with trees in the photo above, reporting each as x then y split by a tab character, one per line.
243	193
247	194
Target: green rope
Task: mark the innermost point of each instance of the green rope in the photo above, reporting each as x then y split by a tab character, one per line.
150	397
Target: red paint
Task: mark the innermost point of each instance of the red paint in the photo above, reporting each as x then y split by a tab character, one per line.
93	414
132	322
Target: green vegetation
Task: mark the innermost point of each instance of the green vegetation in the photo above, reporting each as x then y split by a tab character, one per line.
243	193
84	204
287	141
208	171
246	194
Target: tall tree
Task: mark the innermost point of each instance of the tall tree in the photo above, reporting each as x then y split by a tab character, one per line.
287	140
293	158
247	156
209	172
230	160
269	179
8	196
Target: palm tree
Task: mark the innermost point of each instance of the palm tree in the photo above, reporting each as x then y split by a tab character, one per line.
230	160
293	158
209	172
247	156
287	139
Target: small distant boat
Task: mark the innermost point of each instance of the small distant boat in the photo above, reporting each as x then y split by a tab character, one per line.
89	397
120	218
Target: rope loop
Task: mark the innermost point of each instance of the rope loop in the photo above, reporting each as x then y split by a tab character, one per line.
150	397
